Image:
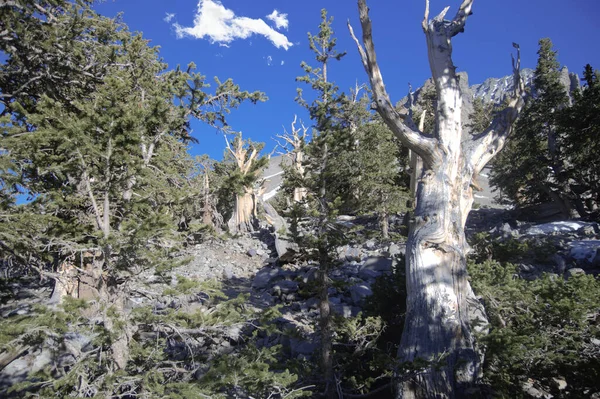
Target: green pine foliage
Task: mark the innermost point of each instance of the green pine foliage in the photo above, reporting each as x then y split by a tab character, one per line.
581	123
531	170
481	118
552	156
542	330
103	161
381	184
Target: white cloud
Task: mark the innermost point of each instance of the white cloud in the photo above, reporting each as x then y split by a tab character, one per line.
169	16
282	62
269	60
280	20
220	25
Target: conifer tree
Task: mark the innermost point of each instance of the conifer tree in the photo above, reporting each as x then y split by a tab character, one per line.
482	116
533	169
321	201
581	124
383	184
243	182
103	165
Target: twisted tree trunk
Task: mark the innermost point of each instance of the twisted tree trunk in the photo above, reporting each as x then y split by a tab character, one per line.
244	212
437	331
243	215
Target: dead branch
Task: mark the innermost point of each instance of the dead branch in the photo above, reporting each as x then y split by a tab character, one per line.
400	123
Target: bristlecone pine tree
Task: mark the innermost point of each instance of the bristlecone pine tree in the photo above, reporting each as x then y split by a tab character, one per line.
294	144
437	344
100	153
243	181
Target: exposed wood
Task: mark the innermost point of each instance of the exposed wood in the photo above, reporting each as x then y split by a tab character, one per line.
401	124
244	213
294	143
437	328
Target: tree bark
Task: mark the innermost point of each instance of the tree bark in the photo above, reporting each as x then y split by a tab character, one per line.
207	212
294	143
437	331
384	223
325	324
244	212
242	218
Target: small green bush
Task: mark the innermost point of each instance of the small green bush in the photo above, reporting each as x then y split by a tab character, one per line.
541	330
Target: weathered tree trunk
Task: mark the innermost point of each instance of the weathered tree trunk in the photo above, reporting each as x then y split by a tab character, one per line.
242	219
384	223
244	212
294	143
207	211
325	324
437	330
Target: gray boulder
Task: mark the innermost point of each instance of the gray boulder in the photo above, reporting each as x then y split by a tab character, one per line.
265	276
368	274
359	292
285	287
377	264
350	253
574	271
252	252
345	310
302	347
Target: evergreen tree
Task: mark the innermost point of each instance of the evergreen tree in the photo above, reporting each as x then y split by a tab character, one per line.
321	201
581	124
532	169
482	116
103	165
381	179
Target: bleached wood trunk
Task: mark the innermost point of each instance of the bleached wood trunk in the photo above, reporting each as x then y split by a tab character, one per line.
207	211
242	219
294	143
299	192
437	330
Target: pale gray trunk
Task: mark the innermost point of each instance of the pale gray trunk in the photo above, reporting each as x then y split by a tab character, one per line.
242	219
207	212
437	330
384	223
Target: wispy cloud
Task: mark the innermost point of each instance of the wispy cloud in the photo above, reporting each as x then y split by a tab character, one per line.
220	25
168	17
282	62
269	60
280	20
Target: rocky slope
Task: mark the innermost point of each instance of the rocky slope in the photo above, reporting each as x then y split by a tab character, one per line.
248	265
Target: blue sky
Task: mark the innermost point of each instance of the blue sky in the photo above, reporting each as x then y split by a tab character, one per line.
262	43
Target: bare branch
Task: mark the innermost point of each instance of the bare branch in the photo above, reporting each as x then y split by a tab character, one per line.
486	145
20	89
426	17
440	17
88	189
272	152
459	21
401	124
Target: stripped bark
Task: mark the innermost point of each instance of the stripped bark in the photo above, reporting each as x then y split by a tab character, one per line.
243	217
437	328
294	143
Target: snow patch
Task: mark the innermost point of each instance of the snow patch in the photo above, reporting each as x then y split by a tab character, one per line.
557	227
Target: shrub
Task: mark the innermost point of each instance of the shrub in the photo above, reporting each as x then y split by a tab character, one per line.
541	330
